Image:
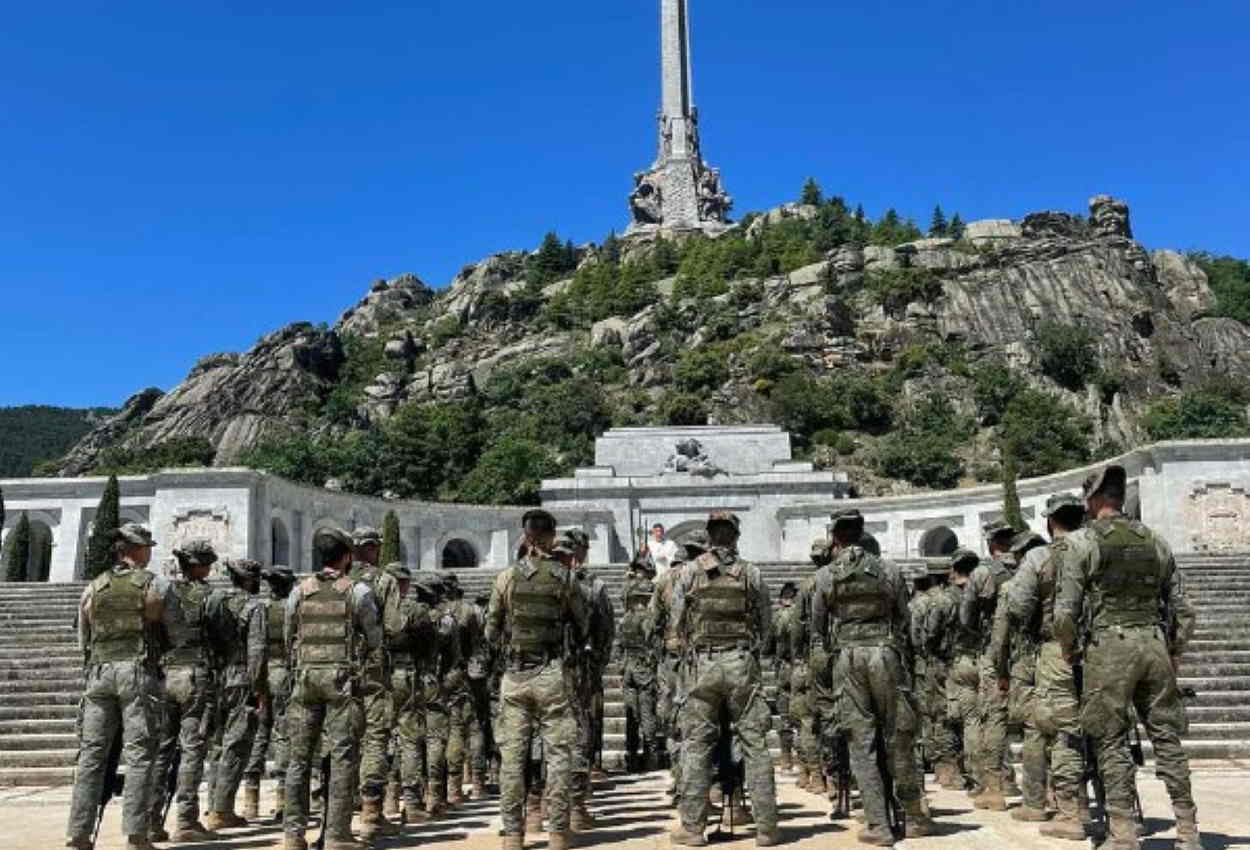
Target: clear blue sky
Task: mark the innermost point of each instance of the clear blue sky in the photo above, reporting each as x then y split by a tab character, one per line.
177	178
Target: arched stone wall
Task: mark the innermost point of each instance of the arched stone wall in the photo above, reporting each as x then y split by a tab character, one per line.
459	554
476	543
937	542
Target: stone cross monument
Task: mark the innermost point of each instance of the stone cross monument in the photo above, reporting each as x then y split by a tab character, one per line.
680	191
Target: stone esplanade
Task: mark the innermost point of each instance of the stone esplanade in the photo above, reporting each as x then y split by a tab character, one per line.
1196	493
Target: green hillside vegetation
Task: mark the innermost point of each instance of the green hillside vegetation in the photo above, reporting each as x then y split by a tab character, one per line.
34	433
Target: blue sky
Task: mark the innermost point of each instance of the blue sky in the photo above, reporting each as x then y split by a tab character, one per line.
180	178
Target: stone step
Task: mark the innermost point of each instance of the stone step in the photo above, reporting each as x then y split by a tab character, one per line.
38	741
1213	699
38	727
1201	645
1218	668
39	712
37	700
36	777
1218	731
41	686
1203	684
38	758
27	674
1199	714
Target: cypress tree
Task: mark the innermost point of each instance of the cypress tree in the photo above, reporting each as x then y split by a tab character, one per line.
1012	515
390	539
811	195
107	519
18	553
938	225
955	229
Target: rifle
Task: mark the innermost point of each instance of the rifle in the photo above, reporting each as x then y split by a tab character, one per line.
894	811
171	783
1139	759
114	782
728	771
320	843
842	779
1085	744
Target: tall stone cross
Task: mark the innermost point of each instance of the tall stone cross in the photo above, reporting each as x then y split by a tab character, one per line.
679	192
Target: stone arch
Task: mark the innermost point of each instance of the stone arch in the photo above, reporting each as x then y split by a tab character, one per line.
458	554
279	542
938	542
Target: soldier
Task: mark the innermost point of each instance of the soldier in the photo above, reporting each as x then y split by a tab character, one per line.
443	666
638	663
1055	714
1013	652
236	619
327	615
986	740
1120	594
721	608
410	630
276	689
807	697
785	622
942	747
120	617
918	610
602	636
188	681
957	648
464	733
860	607
533	603
366	549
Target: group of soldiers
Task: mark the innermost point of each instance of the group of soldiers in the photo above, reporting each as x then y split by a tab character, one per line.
398	692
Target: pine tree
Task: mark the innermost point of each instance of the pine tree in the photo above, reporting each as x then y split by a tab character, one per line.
390	539
107	519
1012	515
610	250
811	195
955	230
938	226
18	553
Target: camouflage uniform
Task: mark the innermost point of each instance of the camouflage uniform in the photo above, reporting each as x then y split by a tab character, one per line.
327	616
410	631
532	605
956	649
271	728
918	609
722	610
809	698
444	672
941	747
236	619
1121	577
120	615
464	732
785	623
638	666
860	608
188	681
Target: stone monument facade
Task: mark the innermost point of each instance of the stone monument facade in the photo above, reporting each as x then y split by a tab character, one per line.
680	191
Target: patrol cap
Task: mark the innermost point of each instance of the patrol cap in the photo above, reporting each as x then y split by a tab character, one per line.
724	518
1110	475
325	538
398	571
197	552
565	545
846	516
538	521
363	535
996	528
134	533
244	568
428	582
278	573
789	589
579	538
1026	540
1062	502
961	557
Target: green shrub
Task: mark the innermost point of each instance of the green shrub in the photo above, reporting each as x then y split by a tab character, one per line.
1043	434
922	450
170	454
444	331
1068	354
1200	414
994	385
895	288
771	364
1229	279
510	472
683	409
700	369
842	443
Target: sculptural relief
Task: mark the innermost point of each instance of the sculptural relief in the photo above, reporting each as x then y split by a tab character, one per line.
1218	518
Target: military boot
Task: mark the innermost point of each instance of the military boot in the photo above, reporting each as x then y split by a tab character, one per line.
81	842
878	836
138	842
157	831
390	802
414	812
1029	814
580	818
223	820
294	841
786	762
687	838
433	807
1067	824
816	781
251	802
992	798
1121	833
346	842
559	840
916	820
767	837
1187	836
512	842
456	797
373	824
801	782
190	833
279	803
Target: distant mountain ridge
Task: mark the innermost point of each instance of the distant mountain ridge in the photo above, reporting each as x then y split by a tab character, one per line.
33	433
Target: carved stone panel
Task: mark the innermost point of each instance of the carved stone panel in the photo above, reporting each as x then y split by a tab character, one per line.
210	523
1218	518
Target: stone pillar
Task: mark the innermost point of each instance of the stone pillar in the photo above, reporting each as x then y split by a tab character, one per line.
66	539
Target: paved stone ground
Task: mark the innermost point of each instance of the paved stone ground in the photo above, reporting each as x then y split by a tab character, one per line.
635	814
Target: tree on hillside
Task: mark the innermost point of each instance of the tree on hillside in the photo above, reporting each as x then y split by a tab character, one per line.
107	519
812	195
1012	515
938	225
17	553
553	260
955	230
390	539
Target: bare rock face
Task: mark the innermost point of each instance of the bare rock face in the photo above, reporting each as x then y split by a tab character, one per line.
233	401
501	273
806	212
1109	217
387	302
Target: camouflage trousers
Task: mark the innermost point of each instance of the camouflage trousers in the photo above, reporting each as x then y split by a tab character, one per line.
1021	701
941	745
782	707
322	701
638	683
464	735
182	734
1056	716
990	750
239	718
408	709
378	722
1125	670
668	679
876	697
437	732
803	716
121	697
483	739
536	702
271	730
726	682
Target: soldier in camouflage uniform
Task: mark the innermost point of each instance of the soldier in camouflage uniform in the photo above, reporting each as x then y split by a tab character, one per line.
121	616
410	630
918	610
464	734
785	623
941	746
602	636
638	664
444	663
1013	652
536	613
1119	579
188	681
276	689
236	620
957	649
1055	710
327	616
807	697
723	613
860	609
986	739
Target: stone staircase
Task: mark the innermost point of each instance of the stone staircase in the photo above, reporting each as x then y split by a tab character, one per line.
41	682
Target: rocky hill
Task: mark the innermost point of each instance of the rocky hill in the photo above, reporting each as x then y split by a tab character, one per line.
911	362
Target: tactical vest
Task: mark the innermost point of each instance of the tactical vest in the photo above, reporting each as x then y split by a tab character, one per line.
863	604
275	627
803	614
537	607
188	643
118	628
988	605
325	623
235	607
1128	580
1048	589
955	640
638	593
413	619
664	589
720	606
633	630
